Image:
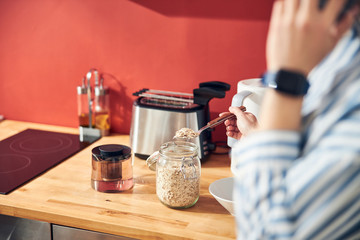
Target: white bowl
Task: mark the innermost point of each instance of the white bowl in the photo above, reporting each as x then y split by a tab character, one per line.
222	190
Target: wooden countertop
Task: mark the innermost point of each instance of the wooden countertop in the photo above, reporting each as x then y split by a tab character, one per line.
63	196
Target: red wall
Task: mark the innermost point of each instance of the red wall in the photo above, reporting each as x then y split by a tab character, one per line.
47	46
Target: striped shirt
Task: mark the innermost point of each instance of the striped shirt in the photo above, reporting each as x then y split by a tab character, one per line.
306	184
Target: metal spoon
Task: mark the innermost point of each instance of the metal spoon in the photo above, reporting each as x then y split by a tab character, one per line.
189	133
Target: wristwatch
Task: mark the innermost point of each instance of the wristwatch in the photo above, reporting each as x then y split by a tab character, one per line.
289	82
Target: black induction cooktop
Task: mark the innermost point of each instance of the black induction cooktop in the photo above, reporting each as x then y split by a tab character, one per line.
31	152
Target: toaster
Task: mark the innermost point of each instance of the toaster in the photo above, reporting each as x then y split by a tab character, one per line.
157	115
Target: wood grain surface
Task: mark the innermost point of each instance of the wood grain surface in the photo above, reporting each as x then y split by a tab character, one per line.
63	195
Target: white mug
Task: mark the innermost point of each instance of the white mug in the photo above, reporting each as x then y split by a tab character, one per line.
250	93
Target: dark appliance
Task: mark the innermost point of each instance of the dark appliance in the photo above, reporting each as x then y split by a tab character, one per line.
29	153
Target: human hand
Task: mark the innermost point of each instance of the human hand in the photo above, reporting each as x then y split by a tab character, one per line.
301	35
244	123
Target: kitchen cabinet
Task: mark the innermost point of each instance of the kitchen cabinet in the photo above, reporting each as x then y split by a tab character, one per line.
63	232
14	228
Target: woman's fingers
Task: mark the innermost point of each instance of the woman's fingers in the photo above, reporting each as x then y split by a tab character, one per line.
245	122
230	122
240	115
291	7
232	128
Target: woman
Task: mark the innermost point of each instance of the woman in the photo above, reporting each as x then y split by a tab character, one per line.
297	170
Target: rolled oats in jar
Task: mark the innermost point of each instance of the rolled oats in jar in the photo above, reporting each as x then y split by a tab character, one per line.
178	171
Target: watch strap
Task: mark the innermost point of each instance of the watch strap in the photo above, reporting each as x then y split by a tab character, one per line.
289	82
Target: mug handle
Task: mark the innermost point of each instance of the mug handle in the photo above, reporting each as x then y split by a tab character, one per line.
237	101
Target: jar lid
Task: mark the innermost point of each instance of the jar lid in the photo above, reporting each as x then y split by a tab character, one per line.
115	150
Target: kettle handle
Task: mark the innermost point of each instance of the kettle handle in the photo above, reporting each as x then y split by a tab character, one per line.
237	101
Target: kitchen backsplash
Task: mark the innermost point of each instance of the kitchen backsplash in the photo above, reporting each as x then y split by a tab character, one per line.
47	46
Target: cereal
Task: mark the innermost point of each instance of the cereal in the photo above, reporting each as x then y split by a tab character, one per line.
175	189
186	133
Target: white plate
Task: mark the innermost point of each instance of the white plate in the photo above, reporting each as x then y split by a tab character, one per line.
222	190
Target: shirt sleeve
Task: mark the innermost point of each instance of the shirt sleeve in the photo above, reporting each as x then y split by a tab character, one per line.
281	194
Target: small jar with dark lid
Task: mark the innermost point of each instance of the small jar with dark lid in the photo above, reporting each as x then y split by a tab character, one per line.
112	168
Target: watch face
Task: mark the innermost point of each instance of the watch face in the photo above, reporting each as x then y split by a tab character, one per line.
292	83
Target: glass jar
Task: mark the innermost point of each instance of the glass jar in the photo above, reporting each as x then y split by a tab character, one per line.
178	171
112	168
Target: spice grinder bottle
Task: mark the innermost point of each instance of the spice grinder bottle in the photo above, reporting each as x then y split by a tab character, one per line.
112	168
83	105
102	109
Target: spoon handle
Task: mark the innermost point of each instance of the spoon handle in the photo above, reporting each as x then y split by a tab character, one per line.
217	121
